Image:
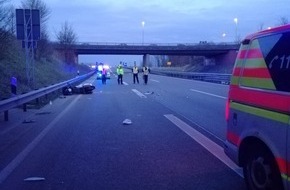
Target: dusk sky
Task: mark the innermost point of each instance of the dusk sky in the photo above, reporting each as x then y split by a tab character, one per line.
166	21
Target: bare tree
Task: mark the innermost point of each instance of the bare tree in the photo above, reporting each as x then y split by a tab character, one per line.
261	26
41	6
283	21
67	38
11	20
67	35
6	36
3	12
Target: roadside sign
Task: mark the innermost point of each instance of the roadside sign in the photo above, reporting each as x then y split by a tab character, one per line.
27	24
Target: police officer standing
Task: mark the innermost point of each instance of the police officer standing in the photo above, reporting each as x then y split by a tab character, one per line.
146	71
120	73
135	73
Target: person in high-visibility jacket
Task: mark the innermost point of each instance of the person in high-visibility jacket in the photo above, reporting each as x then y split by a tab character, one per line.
135	73
120	73
146	71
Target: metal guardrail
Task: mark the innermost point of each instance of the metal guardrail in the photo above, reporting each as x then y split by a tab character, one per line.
18	100
208	77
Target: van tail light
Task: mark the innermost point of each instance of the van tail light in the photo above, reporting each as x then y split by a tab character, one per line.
227	111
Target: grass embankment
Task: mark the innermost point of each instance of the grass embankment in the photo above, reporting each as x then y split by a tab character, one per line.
45	73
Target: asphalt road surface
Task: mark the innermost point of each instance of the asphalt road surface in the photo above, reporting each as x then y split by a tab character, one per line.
174	140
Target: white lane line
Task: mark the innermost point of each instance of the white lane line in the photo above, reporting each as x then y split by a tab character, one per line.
155	80
212	147
139	93
125	83
208	94
22	155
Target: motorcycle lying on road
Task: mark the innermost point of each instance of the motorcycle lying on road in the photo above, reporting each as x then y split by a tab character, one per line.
86	88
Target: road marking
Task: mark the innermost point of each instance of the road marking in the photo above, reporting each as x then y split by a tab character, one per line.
139	93
208	94
22	155
212	147
90	80
155	80
125	83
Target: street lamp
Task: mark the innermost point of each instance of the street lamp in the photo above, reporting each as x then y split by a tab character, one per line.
224	35
236	21
143	24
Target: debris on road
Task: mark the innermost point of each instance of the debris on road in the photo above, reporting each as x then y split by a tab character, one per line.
147	93
127	122
28	121
34	179
43	113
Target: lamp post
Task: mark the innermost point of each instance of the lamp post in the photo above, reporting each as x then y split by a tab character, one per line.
143	24
236	21
224	35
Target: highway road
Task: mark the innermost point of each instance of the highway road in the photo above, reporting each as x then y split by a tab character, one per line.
174	140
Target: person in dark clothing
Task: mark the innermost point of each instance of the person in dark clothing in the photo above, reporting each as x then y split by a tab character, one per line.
104	76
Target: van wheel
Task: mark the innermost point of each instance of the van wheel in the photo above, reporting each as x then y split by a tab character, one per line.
261	171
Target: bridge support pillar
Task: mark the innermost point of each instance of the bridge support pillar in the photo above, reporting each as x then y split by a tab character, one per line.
76	59
146	60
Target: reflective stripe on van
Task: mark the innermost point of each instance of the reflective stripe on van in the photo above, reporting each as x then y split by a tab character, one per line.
272	115
270	101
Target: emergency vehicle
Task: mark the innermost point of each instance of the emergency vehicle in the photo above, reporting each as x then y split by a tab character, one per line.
258	109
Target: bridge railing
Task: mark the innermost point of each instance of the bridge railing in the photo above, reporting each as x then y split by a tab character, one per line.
19	100
152	44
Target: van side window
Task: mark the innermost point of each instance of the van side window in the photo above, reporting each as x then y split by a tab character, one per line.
276	51
255	73
267	63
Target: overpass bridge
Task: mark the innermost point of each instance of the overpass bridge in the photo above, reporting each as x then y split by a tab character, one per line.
209	50
203	49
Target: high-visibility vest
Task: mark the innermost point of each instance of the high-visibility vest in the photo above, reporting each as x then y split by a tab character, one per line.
135	70
120	71
145	70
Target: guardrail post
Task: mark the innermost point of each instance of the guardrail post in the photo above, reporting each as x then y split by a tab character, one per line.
6	115
24	108
37	102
